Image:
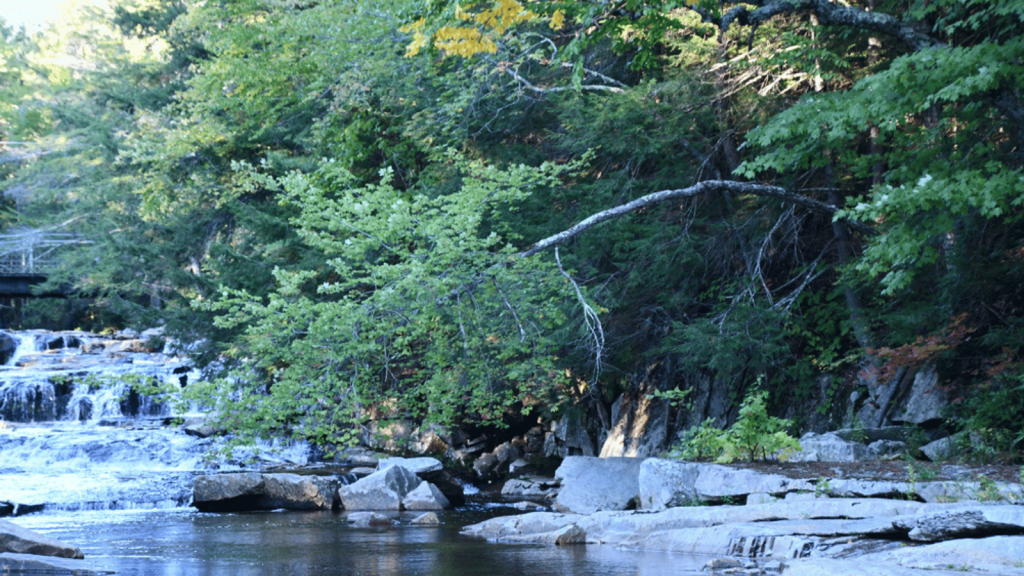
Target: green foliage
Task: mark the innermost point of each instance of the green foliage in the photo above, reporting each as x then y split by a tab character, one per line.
423	310
992	415
754	436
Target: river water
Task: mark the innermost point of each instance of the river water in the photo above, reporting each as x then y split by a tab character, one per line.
98	469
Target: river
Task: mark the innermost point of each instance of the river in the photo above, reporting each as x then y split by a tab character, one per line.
100	470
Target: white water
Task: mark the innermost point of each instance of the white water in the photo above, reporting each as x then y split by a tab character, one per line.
73	439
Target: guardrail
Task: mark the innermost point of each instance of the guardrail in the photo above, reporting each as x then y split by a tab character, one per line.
32	252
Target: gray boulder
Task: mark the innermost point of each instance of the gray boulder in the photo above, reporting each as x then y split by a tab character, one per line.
886	449
227	492
448	485
18	540
667	483
829	447
524	488
426	519
716	483
590	484
295	492
942	449
382	490
426	496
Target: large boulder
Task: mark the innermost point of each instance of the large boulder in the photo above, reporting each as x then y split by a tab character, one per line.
227	492
382	490
295	492
717	483
667	483
426	496
18	540
590	484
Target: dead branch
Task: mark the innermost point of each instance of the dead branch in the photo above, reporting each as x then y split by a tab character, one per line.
706	187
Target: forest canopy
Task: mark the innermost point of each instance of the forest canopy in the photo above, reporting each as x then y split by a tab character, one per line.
467	212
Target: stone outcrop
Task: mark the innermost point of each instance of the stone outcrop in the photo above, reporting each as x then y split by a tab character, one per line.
590	484
639	426
415	465
17	540
830	447
789	526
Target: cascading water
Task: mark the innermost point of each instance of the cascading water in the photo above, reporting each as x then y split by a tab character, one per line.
73	437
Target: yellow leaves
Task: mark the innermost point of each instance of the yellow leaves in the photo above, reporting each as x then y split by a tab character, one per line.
481	31
557	20
465	42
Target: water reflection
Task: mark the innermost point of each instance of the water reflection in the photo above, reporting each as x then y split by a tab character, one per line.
184	542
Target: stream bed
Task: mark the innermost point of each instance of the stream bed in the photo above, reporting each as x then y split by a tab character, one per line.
99	469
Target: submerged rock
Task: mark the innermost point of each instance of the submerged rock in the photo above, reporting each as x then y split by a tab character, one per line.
18	540
11	563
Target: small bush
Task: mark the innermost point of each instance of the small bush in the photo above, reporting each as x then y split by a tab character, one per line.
755	436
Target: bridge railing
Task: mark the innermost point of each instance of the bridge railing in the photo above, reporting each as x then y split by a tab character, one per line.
32	253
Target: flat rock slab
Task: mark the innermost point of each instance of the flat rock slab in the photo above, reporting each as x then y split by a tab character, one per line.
998	554
18	540
414	465
520	525
967	522
744	541
858	567
590	484
33	564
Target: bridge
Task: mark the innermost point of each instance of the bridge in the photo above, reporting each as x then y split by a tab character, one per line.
27	257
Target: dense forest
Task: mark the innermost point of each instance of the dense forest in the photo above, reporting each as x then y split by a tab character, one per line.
468	212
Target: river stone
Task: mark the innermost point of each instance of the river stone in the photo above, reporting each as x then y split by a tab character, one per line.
851	488
964	523
448	485
382	490
426	519
365	519
941	449
11	563
294	492
717	483
426	496
829	448
227	492
667	483
590	484
18	540
419	465
520	488
944	492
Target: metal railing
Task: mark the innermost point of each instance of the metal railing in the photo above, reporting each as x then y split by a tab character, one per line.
32	252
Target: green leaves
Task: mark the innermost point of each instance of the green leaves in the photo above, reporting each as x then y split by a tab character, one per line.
420	311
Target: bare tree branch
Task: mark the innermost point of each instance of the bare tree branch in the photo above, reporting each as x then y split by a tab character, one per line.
705	187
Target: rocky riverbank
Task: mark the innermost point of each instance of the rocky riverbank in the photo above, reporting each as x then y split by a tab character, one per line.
775	523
